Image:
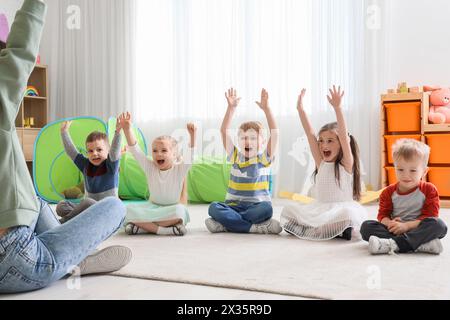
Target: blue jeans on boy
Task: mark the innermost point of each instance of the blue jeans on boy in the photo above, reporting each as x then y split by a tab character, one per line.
240	216
33	257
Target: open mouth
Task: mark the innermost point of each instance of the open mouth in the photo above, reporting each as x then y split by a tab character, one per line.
247	149
96	159
327	154
160	162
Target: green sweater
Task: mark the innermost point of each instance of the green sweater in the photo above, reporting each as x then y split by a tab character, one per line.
18	201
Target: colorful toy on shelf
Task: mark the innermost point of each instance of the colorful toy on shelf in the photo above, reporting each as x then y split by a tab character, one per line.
439	105
29	122
32	92
402	87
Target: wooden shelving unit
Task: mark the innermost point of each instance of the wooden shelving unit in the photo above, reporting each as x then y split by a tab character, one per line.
414	126
33	113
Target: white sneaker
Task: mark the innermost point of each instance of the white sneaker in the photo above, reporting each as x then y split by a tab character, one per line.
132	229
433	247
382	246
268	227
214	226
106	260
179	230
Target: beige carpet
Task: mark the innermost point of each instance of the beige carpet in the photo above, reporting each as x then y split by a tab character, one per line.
283	264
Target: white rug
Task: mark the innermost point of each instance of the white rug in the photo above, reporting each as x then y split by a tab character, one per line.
283	264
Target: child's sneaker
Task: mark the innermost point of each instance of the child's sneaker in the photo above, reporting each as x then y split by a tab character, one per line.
433	247
63	208
382	246
214	226
106	260
179	230
268	227
132	229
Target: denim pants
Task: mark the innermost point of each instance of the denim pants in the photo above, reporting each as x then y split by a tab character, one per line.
33	257
240	216
429	229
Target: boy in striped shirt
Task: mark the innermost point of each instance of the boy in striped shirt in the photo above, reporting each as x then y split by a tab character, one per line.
248	207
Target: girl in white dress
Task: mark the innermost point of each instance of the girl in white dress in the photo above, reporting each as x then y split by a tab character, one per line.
337	187
165	213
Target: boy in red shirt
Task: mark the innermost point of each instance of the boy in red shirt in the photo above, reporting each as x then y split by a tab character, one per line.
408	214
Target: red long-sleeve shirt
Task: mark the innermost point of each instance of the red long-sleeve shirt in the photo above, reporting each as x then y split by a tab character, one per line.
417	204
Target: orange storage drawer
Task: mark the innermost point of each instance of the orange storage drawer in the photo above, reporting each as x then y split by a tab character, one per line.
440	177
391	176
439	144
403	116
390	140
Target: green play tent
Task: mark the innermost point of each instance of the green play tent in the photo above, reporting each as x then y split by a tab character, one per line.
54	171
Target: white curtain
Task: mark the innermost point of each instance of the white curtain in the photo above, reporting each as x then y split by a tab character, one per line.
170	62
191	51
91	64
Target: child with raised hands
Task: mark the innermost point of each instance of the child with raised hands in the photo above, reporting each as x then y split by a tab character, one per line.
248	206
165	213
100	169
335	213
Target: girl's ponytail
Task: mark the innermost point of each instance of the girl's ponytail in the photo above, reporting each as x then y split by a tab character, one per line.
356	169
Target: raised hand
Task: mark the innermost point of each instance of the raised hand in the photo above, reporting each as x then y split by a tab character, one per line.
232	98
191	128
335	97
125	121
300	100
264	103
118	124
65	126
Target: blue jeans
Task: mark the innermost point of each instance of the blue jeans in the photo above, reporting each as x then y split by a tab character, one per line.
240	216
33	257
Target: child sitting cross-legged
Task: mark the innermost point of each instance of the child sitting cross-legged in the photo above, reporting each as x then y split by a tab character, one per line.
165	213
100	169
248	206
408	214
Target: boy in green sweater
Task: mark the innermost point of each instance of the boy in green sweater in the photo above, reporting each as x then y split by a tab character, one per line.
35	250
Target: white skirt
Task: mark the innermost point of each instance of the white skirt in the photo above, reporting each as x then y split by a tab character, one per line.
322	221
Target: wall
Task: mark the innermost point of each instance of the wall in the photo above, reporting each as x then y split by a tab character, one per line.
419	42
9	7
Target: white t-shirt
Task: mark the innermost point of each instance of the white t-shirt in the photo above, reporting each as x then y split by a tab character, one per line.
165	186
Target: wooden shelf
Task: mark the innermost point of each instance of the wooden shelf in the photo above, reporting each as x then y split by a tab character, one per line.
430	127
425	127
436	128
35	108
445	203
402	96
35	98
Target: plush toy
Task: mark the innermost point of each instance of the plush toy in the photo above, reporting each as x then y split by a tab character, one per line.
439	105
74	192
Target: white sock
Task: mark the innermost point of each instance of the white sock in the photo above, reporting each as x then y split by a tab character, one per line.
165	231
